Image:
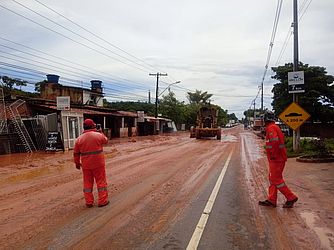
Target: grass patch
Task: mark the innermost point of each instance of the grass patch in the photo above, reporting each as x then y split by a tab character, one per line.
319	147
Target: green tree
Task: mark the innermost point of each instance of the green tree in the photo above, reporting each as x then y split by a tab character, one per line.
318	99
190	114
171	108
222	117
250	112
20	83
38	86
199	97
232	117
148	108
10	82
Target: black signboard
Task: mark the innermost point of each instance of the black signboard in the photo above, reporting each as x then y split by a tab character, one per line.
54	142
296	88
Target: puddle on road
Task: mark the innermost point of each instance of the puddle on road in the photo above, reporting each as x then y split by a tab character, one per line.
229	138
325	235
26	166
33	174
24	158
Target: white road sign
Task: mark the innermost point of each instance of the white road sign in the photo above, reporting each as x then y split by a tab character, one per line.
63	103
296	82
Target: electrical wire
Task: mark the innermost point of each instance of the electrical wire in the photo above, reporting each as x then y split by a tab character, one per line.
270	49
54	31
106	75
69	38
77	34
303	8
65	80
97	36
73	73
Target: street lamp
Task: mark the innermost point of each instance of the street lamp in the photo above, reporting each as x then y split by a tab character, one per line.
168	87
156	99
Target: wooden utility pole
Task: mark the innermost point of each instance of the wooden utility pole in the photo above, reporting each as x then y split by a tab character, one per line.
157	91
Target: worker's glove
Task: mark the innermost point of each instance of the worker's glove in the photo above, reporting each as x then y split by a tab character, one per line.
78	166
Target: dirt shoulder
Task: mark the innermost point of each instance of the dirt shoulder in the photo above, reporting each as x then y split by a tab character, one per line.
310	224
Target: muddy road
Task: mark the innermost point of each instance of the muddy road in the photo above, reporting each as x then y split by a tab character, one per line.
158	188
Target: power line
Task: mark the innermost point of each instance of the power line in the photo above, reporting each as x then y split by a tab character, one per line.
66	80
271	45
65	36
73	73
303	8
308	5
75	33
69	38
109	76
95	35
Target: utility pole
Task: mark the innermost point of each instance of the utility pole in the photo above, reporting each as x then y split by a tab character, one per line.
254	111
157	91
149	96
262	95
296	133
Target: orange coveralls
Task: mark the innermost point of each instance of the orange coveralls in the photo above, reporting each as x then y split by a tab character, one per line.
89	148
276	154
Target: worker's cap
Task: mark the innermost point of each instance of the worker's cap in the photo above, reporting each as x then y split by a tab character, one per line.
89	124
269	116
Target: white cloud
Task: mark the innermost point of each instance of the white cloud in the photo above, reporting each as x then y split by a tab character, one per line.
217	46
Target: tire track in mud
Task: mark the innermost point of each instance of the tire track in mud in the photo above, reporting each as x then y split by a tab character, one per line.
278	227
38	194
166	205
136	198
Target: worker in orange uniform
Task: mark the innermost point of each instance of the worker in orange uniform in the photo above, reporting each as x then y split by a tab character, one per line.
89	149
276	154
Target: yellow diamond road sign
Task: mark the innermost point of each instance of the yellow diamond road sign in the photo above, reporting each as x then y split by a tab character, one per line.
294	116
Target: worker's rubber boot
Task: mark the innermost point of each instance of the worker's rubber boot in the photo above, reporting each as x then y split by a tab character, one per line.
102	205
289	204
267	203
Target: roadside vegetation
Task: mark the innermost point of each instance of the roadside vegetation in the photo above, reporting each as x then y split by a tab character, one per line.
317	100
179	111
321	148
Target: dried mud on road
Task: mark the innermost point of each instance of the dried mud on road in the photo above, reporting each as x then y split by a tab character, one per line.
310	224
151	180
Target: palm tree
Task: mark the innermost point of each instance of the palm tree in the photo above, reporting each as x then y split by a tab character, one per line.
199	97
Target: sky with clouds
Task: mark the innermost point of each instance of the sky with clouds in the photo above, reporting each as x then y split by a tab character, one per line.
217	46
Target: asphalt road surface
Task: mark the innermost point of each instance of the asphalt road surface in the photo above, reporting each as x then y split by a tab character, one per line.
166	192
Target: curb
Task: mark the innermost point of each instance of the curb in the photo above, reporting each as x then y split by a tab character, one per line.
314	160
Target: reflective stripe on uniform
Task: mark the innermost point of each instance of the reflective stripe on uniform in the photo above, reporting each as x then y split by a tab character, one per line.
102	189
87	190
280	185
92	153
281	146
273	139
269	146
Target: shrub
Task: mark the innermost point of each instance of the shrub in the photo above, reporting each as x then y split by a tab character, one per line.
320	147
